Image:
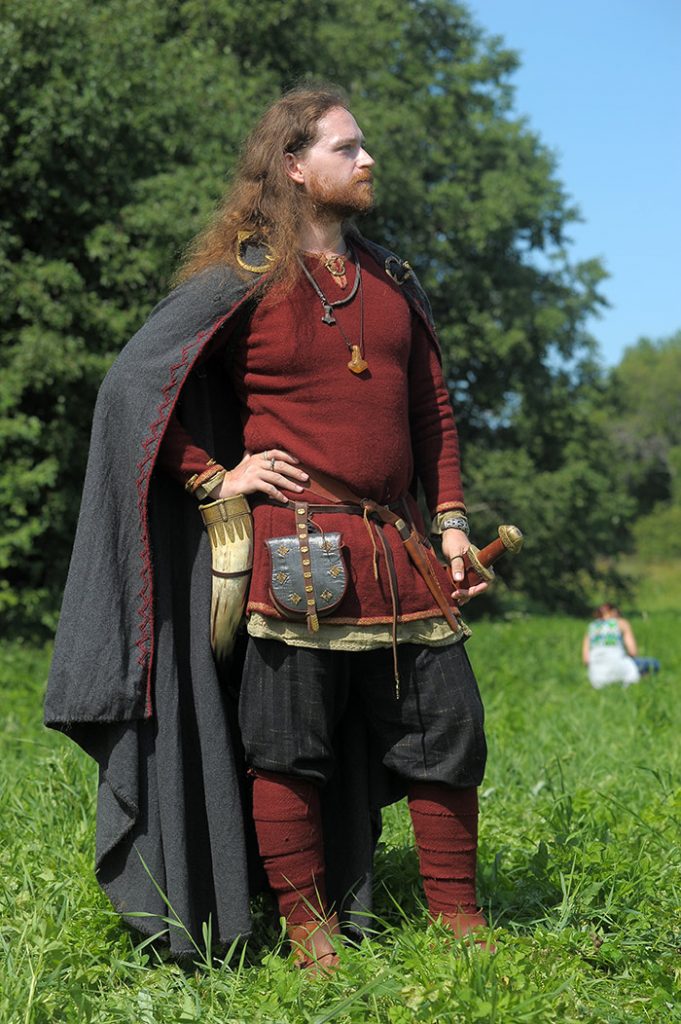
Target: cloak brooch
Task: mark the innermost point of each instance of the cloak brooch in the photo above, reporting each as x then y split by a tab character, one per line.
399	270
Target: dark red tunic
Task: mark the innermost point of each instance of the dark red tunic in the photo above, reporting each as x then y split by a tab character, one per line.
371	432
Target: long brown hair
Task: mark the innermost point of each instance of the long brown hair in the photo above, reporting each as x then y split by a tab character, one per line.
263	203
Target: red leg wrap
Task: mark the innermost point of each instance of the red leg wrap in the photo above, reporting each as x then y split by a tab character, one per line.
288	826
446	830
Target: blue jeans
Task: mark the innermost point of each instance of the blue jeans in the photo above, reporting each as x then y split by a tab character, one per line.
647	666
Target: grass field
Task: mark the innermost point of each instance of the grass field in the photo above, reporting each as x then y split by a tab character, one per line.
580	866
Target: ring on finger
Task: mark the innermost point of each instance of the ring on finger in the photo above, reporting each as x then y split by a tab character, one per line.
272	463
455	556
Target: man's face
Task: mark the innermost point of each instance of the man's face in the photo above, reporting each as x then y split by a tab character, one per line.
336	170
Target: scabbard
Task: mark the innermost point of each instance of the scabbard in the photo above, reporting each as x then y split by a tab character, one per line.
424	568
418	556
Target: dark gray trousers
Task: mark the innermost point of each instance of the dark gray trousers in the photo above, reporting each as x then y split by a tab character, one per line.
293	697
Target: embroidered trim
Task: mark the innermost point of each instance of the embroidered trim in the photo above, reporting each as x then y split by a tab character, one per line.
145	597
377	620
170	391
449	506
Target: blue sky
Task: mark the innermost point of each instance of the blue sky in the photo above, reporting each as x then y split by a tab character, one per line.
601	85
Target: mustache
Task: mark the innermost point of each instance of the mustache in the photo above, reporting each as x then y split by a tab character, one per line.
366	176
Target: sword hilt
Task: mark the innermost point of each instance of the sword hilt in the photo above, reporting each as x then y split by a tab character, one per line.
478	561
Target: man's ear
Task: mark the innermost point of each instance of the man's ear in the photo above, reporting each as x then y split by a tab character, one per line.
293	168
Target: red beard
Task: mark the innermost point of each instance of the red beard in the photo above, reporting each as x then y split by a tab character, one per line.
341	201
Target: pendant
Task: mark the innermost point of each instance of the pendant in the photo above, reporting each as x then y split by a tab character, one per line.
328	317
357	364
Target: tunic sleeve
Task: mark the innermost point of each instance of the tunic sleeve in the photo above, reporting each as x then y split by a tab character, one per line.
435	440
178	455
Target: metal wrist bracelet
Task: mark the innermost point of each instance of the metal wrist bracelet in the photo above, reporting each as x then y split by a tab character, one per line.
203	491
455	523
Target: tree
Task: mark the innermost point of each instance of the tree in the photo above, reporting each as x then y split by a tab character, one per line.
646	416
119	123
113	128
645	425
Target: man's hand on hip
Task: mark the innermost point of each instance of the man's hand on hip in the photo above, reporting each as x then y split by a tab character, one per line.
266	472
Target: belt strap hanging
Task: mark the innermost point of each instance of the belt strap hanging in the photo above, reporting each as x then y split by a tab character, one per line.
418	556
392	582
311	616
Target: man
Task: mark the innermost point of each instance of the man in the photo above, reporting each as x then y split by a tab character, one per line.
302	356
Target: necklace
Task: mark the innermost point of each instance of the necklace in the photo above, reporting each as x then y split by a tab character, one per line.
357	362
329	306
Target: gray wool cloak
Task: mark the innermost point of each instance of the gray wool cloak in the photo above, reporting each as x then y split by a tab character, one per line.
133	680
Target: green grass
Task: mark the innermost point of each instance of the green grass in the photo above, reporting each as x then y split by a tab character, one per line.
658	586
580	866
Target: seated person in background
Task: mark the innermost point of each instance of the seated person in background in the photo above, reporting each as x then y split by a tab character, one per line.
610	652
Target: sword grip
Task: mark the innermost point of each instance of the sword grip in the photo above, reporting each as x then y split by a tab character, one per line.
478	562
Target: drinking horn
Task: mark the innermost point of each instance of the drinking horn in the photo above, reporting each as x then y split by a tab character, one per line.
229	525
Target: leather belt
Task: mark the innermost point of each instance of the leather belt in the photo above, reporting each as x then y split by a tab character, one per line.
327	487
344	501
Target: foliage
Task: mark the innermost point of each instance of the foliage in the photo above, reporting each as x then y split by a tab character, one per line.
118	124
644	423
112	128
647	387
579	868
646	418
570	503
659	533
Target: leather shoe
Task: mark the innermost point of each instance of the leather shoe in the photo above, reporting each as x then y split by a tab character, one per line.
311	945
468	925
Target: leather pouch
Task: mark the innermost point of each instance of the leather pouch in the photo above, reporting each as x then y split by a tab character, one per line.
305	582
